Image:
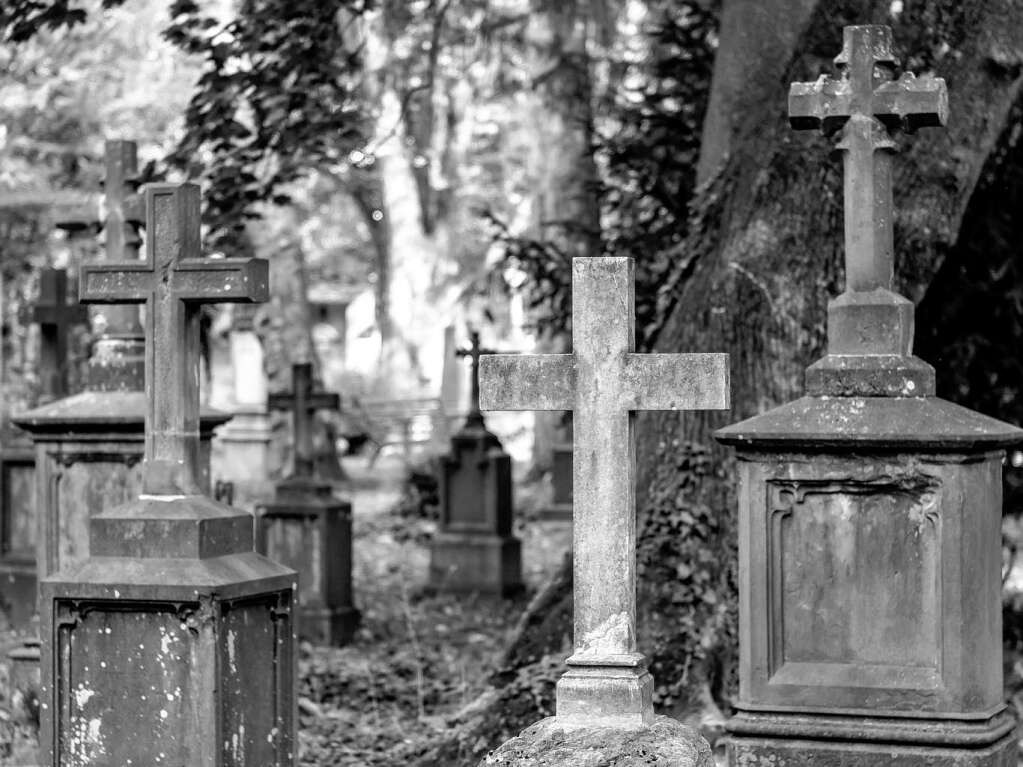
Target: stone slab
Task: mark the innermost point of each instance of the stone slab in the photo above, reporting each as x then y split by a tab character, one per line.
753	752
665	743
472	563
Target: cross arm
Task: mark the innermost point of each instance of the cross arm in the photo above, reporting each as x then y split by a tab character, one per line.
222	280
913	102
676	382
318	401
527	382
825	103
114	283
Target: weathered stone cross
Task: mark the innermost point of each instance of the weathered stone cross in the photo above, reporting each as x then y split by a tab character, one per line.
866	105
604	382
172	282
55	318
475	417
303	402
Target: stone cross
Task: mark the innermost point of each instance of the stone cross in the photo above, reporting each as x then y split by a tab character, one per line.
303	402
867	106
603	382
172	282
475	417
55	318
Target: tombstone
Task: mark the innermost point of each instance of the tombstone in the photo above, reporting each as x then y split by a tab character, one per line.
246	455
88	447
307	527
17	533
55	317
605	697
475	550
870	510
173	627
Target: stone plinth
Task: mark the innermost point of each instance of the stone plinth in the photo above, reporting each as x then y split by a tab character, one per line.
171	644
870	612
475	551
308	529
17	533
88	454
665	743
244	448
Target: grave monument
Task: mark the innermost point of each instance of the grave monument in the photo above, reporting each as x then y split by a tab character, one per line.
870	510
307	527
604	700
171	643
88	447
475	550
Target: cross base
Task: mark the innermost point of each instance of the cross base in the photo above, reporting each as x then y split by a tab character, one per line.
870	322
619	696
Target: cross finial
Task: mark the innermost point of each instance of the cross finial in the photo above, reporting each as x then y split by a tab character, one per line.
867	106
474	420
173	281
303	401
55	318
604	382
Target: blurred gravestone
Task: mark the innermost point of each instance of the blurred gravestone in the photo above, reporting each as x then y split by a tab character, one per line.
306	527
475	550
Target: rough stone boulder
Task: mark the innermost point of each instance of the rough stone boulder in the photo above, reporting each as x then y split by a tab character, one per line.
666	743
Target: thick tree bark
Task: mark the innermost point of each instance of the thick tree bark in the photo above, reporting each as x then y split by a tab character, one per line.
761	263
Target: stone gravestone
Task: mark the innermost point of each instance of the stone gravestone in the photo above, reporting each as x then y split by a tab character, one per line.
55	318
604	700
307	527
172	642
88	447
245	442
17	463
870	510
475	551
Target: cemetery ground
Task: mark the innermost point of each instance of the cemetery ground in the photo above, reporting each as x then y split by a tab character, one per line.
417	659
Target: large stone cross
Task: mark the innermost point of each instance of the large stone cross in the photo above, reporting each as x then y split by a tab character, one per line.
603	382
867	106
303	402
172	282
55	318
474	352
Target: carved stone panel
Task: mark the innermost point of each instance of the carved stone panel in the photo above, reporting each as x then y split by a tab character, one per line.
97	646
297	541
253	704
855	583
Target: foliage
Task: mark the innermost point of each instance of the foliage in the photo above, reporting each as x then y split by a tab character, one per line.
277	97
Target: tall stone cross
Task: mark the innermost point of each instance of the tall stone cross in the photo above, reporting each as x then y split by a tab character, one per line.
866	106
172	282
604	382
474	352
55	318
120	213
303	402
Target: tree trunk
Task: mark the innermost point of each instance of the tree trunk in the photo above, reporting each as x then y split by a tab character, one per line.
762	261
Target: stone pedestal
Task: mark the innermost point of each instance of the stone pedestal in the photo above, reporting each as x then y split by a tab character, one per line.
307	528
88	455
560	508
244	448
664	743
17	533
475	551
869	582
170	644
